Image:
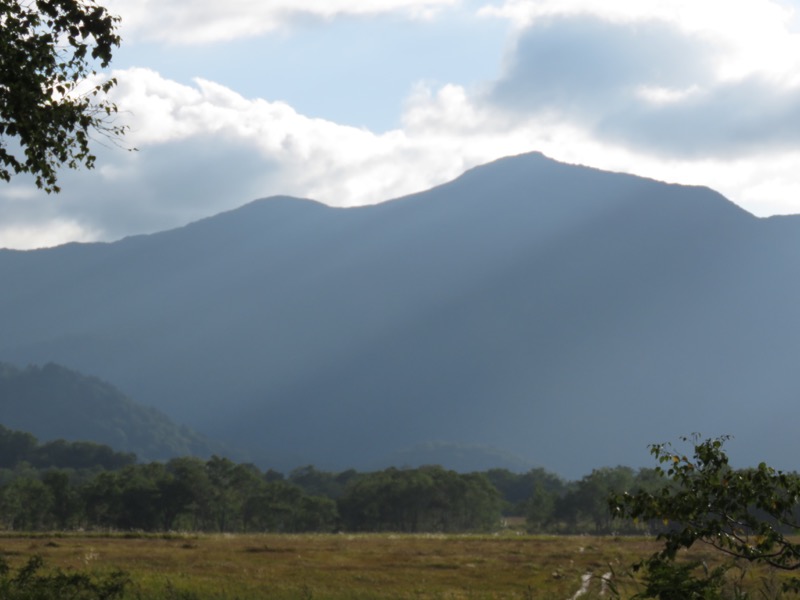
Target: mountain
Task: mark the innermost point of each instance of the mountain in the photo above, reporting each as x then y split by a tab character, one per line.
562	314
53	402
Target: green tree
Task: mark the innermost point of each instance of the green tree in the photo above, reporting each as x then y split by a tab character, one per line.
320	483
532	494
598	486
280	506
745	514
102	499
26	503
62	454
50	100
185	494
140	505
424	499
15	446
539	509
230	486
475	504
224	502
65	506
586	501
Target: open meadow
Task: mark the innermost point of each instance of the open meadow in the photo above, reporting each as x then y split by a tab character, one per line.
338	566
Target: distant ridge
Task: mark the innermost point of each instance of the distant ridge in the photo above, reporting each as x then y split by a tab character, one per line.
458	457
53	402
559	313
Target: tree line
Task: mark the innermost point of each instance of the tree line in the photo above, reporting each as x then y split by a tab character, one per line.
63	485
218	495
750	515
18	447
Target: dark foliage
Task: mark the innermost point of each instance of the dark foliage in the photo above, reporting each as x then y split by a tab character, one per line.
17	447
48	104
746	514
31	582
425	499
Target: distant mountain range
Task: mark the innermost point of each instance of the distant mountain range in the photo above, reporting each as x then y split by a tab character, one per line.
558	313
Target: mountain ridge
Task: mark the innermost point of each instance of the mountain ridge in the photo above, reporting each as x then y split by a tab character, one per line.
490	310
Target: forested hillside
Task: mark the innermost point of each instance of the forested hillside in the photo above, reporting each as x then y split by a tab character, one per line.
53	402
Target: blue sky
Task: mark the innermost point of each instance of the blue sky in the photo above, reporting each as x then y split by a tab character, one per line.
353	103
351	70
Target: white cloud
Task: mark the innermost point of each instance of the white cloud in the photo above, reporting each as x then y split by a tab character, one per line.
664	95
758	35
44	234
681	81
205	21
336	164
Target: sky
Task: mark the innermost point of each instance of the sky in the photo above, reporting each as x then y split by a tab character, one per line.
353	102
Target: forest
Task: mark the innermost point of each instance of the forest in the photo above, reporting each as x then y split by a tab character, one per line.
62	485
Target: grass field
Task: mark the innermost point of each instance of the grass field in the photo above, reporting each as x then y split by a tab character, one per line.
342	566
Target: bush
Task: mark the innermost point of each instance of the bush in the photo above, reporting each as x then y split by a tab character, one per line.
746	514
29	582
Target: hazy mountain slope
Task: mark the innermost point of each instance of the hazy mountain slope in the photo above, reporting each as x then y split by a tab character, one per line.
53	402
561	313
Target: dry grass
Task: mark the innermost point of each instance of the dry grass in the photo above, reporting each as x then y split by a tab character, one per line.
341	566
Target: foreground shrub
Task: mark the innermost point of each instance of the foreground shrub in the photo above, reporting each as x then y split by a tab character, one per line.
748	515
30	582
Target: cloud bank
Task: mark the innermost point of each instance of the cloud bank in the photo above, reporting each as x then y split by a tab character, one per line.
649	86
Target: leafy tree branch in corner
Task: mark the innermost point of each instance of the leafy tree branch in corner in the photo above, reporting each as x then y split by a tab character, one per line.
745	514
51	99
